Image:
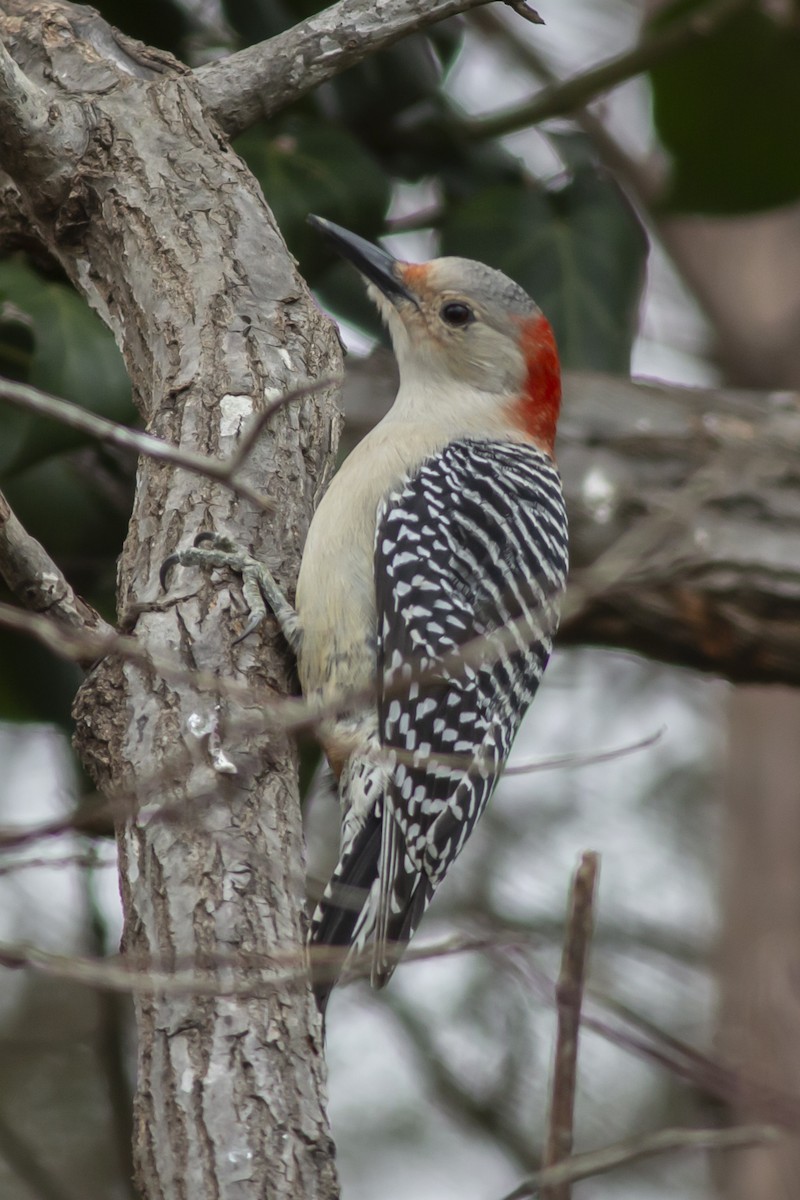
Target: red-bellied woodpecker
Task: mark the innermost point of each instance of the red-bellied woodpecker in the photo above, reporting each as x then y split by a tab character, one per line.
431	575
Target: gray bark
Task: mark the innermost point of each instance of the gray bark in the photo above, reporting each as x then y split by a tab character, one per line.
167	235
261	79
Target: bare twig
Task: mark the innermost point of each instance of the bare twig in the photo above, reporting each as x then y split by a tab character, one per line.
223	470
525	11
235	975
13	836
262	79
85	862
569	998
623	1027
39	584
640	182
664	1141
590	759
564	98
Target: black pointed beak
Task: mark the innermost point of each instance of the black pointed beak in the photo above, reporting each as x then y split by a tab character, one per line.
372	261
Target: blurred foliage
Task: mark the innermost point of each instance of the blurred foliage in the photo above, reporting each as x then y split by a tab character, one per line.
162	23
726	110
58	345
577	248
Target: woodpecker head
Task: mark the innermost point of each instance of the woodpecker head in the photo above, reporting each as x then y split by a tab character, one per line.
462	329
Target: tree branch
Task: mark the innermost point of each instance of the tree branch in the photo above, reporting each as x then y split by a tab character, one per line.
234	409
565	98
39	584
665	1141
258	81
213	321
31	120
569	999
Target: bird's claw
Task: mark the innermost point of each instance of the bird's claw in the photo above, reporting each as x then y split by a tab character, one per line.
210	550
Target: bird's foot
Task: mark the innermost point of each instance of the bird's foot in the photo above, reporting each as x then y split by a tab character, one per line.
211	550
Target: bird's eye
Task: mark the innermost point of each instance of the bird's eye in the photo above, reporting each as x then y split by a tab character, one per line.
456	314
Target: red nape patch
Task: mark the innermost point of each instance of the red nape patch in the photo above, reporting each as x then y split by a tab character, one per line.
538	407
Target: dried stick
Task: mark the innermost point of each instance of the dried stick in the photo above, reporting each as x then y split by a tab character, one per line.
569	997
223	470
565	97
221	975
621	1154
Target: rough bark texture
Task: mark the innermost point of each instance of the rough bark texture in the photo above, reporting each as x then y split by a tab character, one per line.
303	57
684	509
167	235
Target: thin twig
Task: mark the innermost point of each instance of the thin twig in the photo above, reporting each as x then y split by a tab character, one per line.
633	1034
621	1154
589	759
639	182
85	862
564	98
524	10
569	999
238	975
222	470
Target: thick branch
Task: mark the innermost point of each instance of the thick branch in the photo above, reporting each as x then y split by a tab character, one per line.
32	123
167	235
262	79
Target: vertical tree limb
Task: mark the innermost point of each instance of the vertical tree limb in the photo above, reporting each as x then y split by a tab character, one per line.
569	998
167	235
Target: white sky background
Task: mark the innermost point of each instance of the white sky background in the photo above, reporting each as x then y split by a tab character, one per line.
657	868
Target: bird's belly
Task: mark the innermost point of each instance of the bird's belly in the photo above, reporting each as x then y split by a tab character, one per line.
336	609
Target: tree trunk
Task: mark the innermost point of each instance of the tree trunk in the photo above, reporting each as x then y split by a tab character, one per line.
167	235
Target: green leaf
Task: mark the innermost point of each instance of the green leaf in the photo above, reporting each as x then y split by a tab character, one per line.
17	343
73	355
726	109
308	165
342	290
65	503
256	20
35	685
579	250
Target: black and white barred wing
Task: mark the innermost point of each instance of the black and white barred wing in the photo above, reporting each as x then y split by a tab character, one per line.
470	566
